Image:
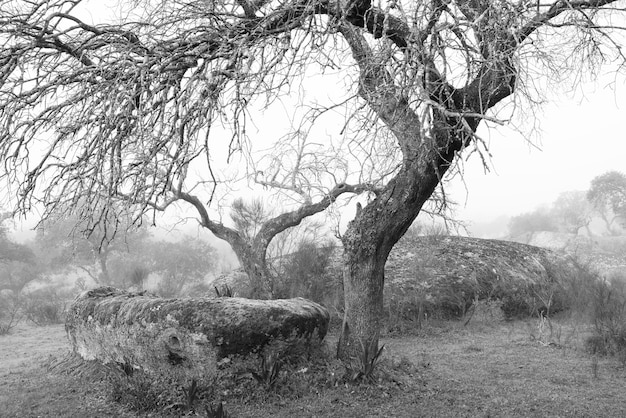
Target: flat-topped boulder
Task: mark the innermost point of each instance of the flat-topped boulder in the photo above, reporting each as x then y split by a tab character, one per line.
140	330
449	273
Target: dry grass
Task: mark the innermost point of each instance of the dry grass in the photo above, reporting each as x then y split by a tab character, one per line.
483	370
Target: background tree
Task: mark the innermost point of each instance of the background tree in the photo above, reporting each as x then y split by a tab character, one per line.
130	111
181	266
569	212
63	241
10	250
540	219
18	268
572	211
607	194
249	216
17	261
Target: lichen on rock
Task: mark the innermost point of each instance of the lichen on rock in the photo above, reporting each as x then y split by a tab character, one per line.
140	330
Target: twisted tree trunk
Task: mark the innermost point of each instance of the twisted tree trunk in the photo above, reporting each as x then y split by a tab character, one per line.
367	243
429	146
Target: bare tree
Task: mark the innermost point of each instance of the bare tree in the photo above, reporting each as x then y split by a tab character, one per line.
135	102
129	110
607	194
249	216
569	212
572	211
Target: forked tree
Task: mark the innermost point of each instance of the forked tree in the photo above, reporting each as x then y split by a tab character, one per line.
131	110
607	194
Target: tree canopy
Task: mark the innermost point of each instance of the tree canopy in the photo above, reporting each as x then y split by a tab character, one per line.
11	251
607	194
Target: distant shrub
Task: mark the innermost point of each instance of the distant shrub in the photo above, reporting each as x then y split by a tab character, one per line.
601	301
608	315
515	307
45	306
565	287
10	311
597	344
406	310
137	276
309	273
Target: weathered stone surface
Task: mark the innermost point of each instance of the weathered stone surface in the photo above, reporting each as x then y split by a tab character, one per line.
451	272
441	259
148	332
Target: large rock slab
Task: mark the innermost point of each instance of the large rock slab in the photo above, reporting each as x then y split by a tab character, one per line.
450	272
143	331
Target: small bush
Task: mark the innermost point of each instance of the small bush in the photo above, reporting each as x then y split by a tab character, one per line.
170	394
597	344
269	370
600	301
517	305
218	411
305	370
363	366
308	273
141	392
10	311
45	307
406	310
224	292
608	314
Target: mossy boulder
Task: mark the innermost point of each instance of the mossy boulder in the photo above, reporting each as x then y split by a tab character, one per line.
143	331
447	274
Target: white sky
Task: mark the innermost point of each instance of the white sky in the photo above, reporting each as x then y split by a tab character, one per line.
581	136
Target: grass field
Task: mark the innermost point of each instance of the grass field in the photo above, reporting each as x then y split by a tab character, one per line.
487	369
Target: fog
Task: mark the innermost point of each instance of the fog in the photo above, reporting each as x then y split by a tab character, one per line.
580	136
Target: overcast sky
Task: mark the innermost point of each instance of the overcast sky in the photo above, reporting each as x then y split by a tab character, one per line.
581	135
